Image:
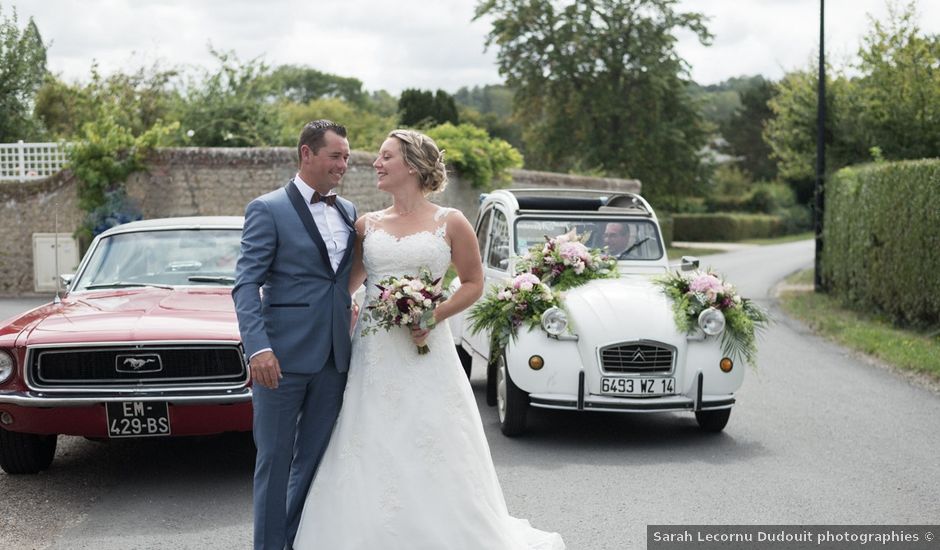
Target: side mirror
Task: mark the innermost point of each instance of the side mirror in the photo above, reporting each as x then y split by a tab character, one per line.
67	279
689	263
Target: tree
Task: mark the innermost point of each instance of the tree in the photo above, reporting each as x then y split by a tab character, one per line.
791	133
22	69
899	89
743	131
490	107
136	101
418	108
303	84
599	86
890	111
495	99
382	103
367	130
231	107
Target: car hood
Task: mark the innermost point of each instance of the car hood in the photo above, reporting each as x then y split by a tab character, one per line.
620	310
151	314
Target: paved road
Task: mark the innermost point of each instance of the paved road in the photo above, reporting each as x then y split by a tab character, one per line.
817	436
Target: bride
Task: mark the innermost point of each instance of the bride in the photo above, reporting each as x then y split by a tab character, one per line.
408	466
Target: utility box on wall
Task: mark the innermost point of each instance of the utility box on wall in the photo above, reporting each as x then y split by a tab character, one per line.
44	259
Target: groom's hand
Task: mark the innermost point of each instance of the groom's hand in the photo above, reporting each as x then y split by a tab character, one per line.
265	369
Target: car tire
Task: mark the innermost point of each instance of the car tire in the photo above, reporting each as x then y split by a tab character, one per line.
491	384
512	404
713	421
466	360
26	453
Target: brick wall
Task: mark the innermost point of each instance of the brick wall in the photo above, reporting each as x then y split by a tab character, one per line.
210	182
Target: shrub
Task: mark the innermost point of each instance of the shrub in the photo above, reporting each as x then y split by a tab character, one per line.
101	161
881	237
485	161
725	227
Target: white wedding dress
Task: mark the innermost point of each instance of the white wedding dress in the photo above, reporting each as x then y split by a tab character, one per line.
408	466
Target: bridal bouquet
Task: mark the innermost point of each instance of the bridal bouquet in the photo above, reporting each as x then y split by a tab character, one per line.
565	262
406	302
698	291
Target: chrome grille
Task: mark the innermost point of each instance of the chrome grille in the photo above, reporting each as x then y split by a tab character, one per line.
638	358
150	366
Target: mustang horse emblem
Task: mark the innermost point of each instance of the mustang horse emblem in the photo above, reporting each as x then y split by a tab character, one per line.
143	362
137	363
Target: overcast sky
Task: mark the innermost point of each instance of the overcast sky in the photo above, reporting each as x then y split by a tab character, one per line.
397	44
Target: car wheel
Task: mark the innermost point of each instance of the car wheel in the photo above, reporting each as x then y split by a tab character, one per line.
713	421
26	453
466	361
512	404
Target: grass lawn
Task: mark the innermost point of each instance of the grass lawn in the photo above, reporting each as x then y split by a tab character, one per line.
906	349
781	240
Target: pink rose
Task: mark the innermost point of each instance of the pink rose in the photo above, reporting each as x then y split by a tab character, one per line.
525	281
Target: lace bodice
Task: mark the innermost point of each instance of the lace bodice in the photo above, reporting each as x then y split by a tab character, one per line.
385	255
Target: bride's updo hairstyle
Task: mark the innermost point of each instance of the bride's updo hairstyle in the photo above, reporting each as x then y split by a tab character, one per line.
422	155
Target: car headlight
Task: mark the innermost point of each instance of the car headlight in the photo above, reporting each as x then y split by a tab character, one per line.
7	366
554	321
711	321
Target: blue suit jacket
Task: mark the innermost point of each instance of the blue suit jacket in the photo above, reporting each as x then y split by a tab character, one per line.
303	312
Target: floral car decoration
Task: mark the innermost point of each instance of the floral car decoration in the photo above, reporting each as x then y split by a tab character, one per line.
404	302
696	295
562	263
566	262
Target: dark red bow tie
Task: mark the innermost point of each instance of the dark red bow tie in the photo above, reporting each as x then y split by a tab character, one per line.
330	200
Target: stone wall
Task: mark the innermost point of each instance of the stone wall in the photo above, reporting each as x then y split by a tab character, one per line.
210	182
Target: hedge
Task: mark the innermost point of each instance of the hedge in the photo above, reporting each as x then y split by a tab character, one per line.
881	239
725	227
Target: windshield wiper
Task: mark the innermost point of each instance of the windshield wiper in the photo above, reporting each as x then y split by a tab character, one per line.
623	254
123	284
221	279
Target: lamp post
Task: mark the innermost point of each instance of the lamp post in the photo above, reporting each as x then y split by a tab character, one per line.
819	194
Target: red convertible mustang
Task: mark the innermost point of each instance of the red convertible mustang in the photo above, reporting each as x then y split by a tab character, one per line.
144	344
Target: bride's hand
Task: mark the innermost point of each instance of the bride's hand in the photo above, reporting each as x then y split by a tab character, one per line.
419	335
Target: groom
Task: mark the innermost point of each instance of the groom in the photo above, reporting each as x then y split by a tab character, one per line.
297	247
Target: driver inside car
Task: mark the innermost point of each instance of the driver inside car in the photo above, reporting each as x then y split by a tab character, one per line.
620	240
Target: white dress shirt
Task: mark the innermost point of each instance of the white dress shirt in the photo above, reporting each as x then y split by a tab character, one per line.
330	222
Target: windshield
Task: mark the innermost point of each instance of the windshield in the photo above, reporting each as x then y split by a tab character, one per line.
625	238
163	258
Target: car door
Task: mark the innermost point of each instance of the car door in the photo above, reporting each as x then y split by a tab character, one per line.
495	245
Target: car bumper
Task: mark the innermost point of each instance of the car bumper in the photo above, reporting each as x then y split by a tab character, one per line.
674	403
85	415
583	401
